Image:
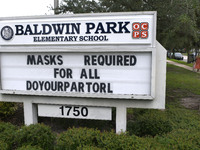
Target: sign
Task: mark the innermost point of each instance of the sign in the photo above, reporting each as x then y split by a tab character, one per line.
81	66
82	73
80	29
78	112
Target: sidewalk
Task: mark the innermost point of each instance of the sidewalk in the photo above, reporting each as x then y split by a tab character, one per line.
181	65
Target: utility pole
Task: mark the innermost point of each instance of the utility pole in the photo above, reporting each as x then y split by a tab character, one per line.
55	6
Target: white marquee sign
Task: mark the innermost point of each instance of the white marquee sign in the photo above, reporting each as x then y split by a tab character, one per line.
80	66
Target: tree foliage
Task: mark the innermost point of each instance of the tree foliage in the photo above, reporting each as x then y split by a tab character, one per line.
178	21
78	6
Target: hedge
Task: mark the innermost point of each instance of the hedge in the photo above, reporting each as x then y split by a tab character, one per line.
36	135
150	123
7	108
7	135
41	137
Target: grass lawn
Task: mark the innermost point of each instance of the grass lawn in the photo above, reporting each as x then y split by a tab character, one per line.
182	83
185	81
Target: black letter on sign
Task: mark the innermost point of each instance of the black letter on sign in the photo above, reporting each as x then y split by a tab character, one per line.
75	27
86	60
133	60
123	27
28	29
46	26
89	26
100	28
58	28
83	74
111	26
19	30
28	85
31	60
60	61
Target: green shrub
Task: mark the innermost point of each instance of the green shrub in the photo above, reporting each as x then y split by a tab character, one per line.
83	138
29	147
111	140
107	140
36	135
86	147
3	146
7	134
77	137
151	123
180	139
7	109
149	143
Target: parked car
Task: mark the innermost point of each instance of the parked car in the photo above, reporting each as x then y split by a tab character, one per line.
178	56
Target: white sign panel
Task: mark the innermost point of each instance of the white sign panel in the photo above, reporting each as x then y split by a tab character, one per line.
128	28
91	62
78	112
80	73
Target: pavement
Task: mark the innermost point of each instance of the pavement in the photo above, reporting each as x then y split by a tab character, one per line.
182	66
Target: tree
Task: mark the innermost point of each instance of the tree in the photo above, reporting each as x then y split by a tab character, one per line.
177	20
183	31
79	6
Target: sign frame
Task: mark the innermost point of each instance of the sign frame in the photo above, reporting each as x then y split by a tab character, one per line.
93	47
158	76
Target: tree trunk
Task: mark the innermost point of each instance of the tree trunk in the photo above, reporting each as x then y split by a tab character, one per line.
188	59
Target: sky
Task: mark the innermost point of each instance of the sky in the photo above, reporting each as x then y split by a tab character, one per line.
10	8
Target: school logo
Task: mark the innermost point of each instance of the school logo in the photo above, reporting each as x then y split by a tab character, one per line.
140	30
7	33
